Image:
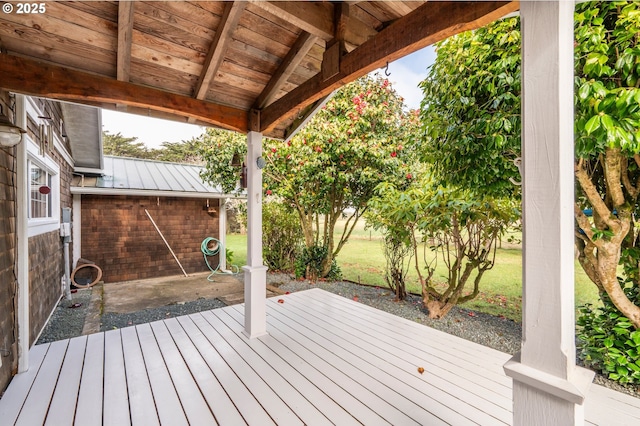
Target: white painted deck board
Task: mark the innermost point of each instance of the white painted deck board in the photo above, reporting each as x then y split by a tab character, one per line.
37	403
65	397
389	369
115	382
221	405
326	360
298	405
90	395
11	403
410	352
282	359
248	406
168	404
260	389
195	407
141	400
366	369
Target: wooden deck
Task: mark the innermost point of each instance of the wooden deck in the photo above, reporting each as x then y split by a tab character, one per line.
326	360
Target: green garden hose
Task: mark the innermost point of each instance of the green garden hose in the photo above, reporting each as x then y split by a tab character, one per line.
217	248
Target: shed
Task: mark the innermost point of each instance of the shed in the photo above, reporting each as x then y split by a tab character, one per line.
113	215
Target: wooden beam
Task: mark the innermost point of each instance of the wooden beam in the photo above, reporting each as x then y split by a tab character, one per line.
298	51
125	34
431	22
313	17
219	45
40	79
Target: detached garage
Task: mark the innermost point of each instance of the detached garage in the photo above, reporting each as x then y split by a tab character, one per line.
113	215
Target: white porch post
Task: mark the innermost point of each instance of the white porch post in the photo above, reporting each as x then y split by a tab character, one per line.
22	231
548	388
222	232
255	273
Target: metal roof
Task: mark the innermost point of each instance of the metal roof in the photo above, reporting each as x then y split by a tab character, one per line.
134	176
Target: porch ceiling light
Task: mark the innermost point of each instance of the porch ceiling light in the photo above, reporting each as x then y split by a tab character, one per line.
10	134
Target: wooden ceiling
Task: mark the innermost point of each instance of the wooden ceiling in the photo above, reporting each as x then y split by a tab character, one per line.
236	65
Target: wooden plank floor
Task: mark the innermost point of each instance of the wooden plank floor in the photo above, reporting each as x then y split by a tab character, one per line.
326	360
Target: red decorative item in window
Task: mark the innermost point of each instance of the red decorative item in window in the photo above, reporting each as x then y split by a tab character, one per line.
44	189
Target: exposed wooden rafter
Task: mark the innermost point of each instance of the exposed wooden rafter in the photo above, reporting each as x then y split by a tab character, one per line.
317	18
215	56
26	76
429	23
313	17
303	44
125	36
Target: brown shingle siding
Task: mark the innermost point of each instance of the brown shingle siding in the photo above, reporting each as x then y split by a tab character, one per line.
120	238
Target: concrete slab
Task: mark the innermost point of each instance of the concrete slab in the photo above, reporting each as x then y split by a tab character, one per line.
133	296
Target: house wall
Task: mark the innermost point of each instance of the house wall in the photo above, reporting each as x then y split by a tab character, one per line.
119	237
46	261
8	342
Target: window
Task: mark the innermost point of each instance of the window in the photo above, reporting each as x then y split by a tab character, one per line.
40	205
43	192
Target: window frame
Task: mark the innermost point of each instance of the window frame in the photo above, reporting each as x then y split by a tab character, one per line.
43	225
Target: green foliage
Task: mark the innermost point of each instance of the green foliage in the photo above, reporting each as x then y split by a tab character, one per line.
217	148
397	255
281	239
608	341
607	77
186	152
470	112
462	228
121	146
332	166
228	255
310	264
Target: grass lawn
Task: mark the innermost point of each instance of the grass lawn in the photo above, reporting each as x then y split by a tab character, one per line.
362	260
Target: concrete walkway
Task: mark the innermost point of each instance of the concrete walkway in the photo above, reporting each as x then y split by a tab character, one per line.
132	296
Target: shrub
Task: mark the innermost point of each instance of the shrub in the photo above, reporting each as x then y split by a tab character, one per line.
396	254
309	264
281	238
608	342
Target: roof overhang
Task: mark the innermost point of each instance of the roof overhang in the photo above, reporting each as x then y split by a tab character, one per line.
83	127
242	66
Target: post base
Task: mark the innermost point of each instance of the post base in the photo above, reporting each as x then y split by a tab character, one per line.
255	301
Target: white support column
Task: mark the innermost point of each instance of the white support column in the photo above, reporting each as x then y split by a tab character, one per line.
255	273
22	249
548	388
222	232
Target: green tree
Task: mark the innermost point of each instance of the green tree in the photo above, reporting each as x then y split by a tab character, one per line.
330	169
476	121
443	224
180	152
121	146
471	109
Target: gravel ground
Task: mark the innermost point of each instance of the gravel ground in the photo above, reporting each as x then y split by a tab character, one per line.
498	333
68	319
112	321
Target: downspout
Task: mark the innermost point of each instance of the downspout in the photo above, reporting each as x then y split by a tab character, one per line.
222	232
22	236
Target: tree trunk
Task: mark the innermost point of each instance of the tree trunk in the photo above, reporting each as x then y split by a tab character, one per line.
608	259
437	309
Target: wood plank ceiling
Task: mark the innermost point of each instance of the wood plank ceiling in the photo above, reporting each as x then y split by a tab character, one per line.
236	65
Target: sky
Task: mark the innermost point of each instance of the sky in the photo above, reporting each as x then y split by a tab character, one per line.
404	74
